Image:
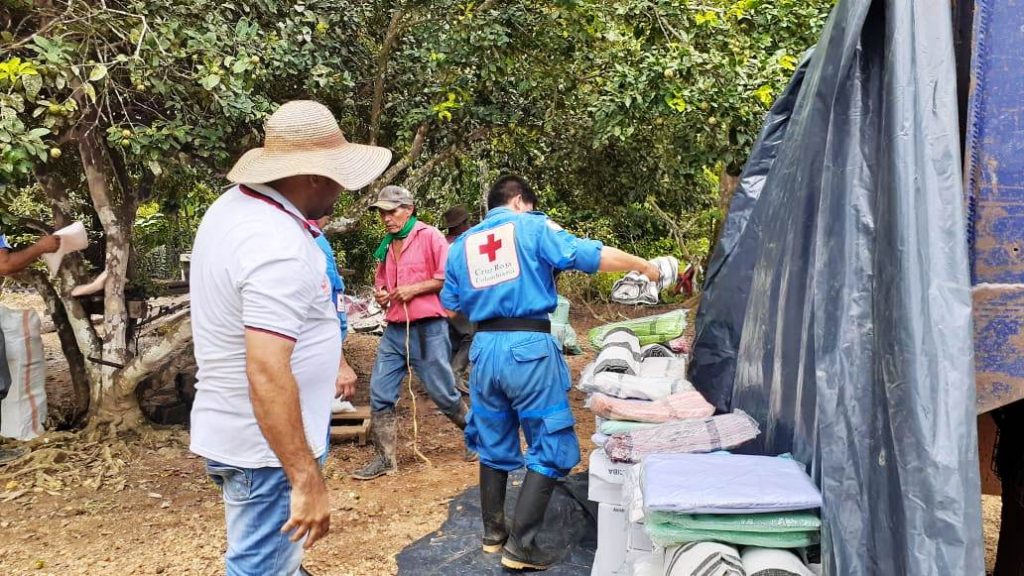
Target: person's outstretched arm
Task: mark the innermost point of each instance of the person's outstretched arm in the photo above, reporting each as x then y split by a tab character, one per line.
16	261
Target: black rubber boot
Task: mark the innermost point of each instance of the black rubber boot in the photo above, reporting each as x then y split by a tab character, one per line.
522	551
493	483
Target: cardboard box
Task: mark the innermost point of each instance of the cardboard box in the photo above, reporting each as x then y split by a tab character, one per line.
611	540
603	467
606	479
607	565
603	492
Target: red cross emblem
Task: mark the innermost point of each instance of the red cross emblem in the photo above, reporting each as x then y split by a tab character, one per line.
491	248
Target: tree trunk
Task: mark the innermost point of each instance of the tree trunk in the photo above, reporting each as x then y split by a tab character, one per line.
114	404
72	353
727	184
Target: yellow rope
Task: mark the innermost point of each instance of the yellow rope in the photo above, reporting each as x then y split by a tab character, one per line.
412	394
408	371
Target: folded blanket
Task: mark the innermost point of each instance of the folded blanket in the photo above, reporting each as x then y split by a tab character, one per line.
678	406
733	484
635	289
617	359
621	337
660	367
765	523
669	535
642	387
703	559
769	530
611	427
694	436
648	330
656	351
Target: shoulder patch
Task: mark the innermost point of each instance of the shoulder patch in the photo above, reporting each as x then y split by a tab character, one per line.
554	225
491	256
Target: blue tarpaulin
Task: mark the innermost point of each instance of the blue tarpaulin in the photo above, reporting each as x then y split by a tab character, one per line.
837	306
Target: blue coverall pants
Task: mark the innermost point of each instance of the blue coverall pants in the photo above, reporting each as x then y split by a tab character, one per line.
519	379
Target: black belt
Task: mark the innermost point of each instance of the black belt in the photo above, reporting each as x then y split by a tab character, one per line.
513	325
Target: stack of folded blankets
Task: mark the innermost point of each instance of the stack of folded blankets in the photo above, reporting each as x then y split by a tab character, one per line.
644	405
723	514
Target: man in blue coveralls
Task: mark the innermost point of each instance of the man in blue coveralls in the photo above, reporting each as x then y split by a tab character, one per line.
500	274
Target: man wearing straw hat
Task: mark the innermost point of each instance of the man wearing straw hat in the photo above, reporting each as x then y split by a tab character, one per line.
267	338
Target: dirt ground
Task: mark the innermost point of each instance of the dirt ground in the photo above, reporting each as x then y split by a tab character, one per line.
157	513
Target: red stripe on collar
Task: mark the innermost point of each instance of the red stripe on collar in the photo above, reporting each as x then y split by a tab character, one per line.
264	198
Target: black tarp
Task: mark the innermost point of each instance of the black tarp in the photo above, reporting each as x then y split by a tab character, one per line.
837	305
570	526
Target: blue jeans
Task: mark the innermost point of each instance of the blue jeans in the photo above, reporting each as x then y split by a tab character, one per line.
257	503
430	357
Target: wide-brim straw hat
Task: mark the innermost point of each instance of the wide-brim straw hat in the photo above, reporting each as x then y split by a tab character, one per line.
303	138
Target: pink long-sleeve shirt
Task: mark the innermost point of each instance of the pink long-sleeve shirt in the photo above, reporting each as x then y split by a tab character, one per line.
423	257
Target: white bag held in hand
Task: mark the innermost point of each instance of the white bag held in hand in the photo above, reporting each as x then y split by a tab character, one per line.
23	412
72	239
637	288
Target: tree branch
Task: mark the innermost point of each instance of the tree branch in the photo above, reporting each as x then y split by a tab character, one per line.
68	328
413	180
415	151
158	355
678	232
390	39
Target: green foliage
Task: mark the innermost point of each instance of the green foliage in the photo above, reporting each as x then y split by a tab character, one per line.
601	105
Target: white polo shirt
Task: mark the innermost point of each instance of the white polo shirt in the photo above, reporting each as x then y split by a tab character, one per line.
255	265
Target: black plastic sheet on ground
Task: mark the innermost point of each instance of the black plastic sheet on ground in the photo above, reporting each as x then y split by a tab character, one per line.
837	305
570	525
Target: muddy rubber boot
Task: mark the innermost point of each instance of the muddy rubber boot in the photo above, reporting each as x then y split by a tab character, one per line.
493	483
459	419
384	433
522	551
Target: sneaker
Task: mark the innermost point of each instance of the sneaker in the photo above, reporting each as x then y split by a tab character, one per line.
8	455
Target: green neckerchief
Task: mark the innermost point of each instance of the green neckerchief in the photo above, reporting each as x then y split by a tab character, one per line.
382	251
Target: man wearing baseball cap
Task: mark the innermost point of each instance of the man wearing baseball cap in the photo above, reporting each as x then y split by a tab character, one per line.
267	338
410	273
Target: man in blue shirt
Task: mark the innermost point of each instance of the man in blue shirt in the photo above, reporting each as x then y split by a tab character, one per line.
501	274
345	387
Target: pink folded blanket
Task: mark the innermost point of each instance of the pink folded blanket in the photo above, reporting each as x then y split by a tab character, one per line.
679	406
